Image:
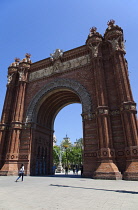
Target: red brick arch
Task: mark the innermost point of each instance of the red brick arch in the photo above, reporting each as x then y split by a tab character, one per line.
95	75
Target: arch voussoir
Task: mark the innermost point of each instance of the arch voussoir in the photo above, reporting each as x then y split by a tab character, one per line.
61	83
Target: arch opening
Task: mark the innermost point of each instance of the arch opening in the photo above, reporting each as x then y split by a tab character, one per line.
68	141
42	112
53	103
42	144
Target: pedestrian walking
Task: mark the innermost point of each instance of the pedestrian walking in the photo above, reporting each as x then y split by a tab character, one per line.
66	170
74	168
54	169
82	170
77	169
21	173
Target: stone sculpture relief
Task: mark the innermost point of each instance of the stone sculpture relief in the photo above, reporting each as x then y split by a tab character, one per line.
57	54
114	43
9	78
123	45
59	66
21	75
94	49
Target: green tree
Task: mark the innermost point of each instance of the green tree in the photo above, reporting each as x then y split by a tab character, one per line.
56	151
74	153
71	154
79	142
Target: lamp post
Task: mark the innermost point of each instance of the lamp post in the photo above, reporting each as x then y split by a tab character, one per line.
59	168
66	146
66	167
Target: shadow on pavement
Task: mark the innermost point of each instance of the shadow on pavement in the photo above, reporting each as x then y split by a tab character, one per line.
119	191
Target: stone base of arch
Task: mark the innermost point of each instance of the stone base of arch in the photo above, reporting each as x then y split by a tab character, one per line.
12	169
9	169
107	170
131	172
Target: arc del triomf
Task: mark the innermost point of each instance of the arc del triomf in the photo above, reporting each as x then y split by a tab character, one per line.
94	75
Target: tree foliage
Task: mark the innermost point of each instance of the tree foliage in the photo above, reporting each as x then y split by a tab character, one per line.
71	154
56	152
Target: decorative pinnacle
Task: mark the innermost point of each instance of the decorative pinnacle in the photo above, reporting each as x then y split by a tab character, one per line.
17	60
27	55
111	23
93	30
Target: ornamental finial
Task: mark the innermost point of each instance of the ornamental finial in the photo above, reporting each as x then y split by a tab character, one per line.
93	30
17	60
27	55
111	23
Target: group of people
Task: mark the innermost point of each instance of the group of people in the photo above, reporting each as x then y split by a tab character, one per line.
75	169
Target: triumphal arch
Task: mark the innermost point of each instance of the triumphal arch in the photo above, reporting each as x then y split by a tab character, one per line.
94	75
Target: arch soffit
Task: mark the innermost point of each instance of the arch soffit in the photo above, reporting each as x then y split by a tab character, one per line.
73	85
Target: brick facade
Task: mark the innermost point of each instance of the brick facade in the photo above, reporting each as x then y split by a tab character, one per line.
94	75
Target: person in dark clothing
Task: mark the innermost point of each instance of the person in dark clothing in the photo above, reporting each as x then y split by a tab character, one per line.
66	169
77	169
74	169
81	170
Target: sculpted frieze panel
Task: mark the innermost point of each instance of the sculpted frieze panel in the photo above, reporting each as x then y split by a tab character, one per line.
60	67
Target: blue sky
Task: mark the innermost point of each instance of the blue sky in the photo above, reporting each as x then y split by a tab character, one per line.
40	26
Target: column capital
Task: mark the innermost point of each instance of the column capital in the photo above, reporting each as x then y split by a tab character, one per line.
3	126
128	106
16	125
88	115
102	110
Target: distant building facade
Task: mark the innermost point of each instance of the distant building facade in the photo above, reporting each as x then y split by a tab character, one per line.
66	141
54	140
94	75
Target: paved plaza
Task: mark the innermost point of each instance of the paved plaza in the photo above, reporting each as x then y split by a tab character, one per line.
67	193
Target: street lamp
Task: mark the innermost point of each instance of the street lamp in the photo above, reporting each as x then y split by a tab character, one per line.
59	168
66	146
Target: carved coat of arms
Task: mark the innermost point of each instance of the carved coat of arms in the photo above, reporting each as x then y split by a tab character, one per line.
57	54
